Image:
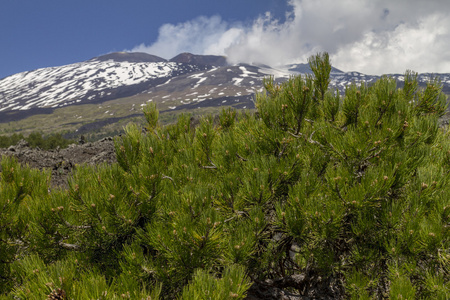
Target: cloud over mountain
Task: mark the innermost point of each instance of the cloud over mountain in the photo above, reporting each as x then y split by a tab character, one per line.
370	36
202	35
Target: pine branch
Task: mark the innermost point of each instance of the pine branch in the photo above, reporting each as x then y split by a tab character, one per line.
310	140
167	177
315	142
237	214
75	226
282	151
240	157
297	135
67	246
213	166
208	167
170	178
293	281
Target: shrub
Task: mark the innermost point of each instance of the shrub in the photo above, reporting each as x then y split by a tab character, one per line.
347	189
6	141
36	139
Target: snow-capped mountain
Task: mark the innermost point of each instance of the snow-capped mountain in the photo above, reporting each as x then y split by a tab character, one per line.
108	77
184	82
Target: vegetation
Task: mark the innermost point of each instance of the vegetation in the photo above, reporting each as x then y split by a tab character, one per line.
36	139
105	119
352	191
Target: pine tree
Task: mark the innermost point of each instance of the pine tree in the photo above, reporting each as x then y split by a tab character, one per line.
314	190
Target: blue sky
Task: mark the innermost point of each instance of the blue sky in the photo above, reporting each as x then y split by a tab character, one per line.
43	33
371	36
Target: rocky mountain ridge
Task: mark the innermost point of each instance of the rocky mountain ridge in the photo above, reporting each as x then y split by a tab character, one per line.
185	82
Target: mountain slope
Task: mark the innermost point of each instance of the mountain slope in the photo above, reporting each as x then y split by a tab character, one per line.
114	86
137	57
99	78
205	60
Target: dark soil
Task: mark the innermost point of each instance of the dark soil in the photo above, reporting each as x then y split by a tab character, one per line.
62	161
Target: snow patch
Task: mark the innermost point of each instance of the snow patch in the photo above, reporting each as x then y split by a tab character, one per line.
245	72
165	83
196	76
237	81
199	82
277	73
60	86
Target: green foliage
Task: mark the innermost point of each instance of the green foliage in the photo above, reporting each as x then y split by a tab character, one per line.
6	141
20	187
321	66
232	285
151	115
401	286
63	278
227	117
350	188
36	139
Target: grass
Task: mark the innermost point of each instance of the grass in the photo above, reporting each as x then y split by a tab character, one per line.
69	119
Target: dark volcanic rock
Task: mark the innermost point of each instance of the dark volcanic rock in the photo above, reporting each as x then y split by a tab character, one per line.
305	287
62	162
206	60
130	57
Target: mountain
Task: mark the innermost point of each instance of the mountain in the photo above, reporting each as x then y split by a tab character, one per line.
132	57
100	92
205	60
101	78
305	69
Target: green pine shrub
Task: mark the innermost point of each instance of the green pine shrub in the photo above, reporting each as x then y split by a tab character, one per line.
36	139
347	189
232	285
6	141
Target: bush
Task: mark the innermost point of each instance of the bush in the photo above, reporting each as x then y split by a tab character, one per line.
352	190
36	139
6	141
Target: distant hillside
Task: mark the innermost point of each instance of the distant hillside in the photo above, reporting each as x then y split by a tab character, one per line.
104	92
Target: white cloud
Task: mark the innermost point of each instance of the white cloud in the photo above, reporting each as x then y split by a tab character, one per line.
371	36
226	40
202	35
422	47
